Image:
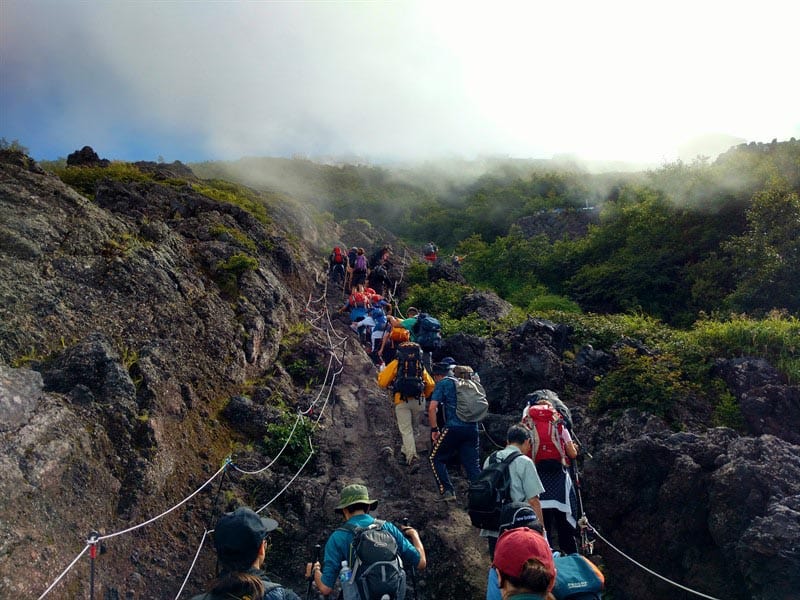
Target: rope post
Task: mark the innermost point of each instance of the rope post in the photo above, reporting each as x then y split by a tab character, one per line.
92	541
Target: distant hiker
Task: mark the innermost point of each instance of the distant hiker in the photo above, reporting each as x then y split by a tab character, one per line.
360	268
337	263
429	252
379	279
514	515
410	384
351	260
348	545
522	480
241	539
380	256
450	435
524	565
552	449
427	332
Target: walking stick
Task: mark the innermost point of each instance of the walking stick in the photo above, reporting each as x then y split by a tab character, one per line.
413	568
311	577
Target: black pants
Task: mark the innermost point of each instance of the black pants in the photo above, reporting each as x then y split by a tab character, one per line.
556	521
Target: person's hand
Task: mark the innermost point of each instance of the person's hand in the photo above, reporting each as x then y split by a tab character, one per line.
311	569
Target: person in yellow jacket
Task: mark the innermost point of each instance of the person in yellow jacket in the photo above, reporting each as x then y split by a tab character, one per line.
408	406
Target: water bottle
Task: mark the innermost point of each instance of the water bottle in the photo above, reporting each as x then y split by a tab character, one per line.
476	378
345	573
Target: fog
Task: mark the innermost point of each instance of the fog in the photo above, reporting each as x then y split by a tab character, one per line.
387	82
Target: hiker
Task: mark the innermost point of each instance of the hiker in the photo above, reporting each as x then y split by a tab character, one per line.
429	252
351	259
336	265
410	320
551	451
411	384
380	256
513	515
524	482
450	435
524	565
355	505
394	334
360	268
241	539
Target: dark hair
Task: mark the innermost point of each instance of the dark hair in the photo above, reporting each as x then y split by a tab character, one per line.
517	434
237	584
359	506
535	577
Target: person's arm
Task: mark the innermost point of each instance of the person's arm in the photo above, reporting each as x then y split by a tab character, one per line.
537	508
569	446
386	377
413	536
432	406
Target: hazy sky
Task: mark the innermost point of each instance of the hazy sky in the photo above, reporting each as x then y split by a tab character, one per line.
395	80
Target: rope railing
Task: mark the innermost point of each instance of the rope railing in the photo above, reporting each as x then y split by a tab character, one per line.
641	566
324	317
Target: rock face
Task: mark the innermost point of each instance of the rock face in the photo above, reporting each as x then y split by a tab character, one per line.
135	369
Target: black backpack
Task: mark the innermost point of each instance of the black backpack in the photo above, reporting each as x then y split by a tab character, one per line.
375	561
489	492
427	332
408	382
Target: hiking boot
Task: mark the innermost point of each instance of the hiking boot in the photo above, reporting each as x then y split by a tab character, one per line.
413	464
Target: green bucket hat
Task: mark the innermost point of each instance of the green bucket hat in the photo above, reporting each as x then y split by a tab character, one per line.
355	494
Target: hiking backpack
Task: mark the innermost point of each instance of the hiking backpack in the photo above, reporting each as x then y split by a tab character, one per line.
427	332
376	564
546	429
360	263
577	578
338	257
471	402
409	382
557	403
489	492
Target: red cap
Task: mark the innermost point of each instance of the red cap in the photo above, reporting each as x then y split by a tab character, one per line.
516	546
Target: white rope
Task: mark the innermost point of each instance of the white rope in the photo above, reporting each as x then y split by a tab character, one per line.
274	460
641	566
191	567
291	481
65	571
169	510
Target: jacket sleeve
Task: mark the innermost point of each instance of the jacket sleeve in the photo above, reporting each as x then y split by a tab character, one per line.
386	377
429	384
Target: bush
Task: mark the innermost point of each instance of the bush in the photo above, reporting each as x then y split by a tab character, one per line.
85	179
650	383
298	448
227	273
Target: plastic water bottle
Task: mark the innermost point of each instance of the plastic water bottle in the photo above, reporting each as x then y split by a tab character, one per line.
345	573
476	378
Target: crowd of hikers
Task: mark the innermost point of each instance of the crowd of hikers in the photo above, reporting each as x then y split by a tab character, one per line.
522	499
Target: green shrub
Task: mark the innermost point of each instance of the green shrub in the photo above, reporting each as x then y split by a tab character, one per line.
650	383
727	413
238	195
85	179
298	448
227	273
222	233
439	298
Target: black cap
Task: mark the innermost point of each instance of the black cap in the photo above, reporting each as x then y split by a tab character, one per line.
238	536
518	514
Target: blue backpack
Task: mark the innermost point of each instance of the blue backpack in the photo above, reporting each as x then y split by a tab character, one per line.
577	578
427	332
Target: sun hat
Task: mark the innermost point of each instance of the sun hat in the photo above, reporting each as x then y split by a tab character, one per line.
516	546
238	536
441	369
355	493
448	360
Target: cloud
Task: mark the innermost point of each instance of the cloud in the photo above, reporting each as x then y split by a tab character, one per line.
394	80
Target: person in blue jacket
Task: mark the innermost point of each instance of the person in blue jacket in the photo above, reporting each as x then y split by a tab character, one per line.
354	506
450	435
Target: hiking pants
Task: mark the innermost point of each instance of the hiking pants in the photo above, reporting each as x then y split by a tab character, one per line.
407	413
556	522
455	441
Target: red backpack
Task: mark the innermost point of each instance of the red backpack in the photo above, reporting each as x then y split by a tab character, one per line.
338	257
546	428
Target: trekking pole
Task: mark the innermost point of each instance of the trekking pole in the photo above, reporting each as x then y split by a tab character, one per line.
92	555
311	576
413	568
